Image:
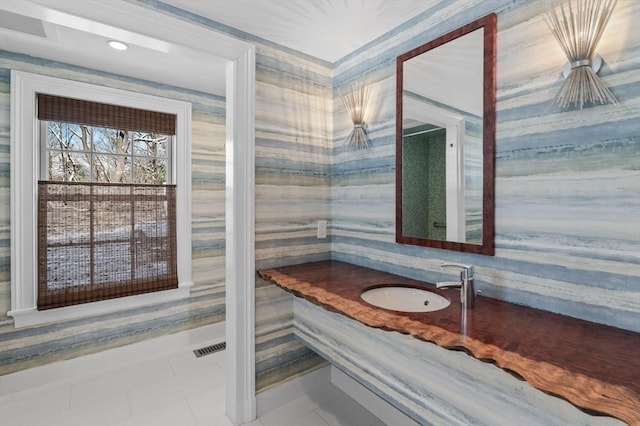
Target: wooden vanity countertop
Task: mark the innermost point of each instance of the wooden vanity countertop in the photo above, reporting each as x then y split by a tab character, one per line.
593	366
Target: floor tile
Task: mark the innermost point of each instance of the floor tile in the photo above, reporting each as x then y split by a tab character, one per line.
310	419
221	360
176	390
97	387
175	414
256	422
301	406
345	411
6	399
323	395
209	404
148	396
39	404
186	363
61	388
291	410
220	420
118	381
147	372
104	412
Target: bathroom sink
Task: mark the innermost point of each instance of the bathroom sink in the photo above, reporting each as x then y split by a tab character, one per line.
404	299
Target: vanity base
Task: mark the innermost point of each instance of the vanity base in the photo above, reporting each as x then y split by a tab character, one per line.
430	384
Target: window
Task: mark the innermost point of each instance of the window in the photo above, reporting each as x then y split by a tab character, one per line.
106	217
104	210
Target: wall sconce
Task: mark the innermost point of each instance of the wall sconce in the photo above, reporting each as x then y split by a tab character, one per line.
356	102
578	26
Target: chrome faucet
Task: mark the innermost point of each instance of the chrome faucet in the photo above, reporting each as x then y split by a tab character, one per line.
467	290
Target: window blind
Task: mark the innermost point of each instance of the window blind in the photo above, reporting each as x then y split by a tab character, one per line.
56	108
100	241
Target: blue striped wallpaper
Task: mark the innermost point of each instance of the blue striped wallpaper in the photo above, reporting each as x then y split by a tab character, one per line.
292	192
567	185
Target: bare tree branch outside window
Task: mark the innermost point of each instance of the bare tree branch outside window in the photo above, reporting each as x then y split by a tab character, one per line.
79	153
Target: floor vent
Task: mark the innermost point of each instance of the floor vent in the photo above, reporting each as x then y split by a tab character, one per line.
208	350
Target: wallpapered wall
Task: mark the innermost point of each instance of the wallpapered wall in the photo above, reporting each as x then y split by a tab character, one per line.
567	184
293	158
31	346
292	192
293	155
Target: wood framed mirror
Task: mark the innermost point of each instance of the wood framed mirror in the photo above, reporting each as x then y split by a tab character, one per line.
445	140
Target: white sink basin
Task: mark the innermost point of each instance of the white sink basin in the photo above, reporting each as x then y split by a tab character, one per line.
404	299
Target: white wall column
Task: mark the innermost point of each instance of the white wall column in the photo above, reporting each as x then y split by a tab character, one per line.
240	241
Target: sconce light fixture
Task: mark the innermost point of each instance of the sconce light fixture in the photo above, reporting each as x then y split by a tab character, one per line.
356	102
578	26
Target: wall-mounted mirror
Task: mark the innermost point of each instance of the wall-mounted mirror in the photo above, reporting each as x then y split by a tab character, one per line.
445	141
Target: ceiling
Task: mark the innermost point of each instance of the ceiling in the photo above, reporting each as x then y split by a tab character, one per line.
76	31
325	29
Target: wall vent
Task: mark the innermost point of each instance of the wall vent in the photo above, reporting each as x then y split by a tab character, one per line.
208	350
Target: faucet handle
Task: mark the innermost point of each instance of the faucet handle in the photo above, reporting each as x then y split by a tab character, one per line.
467	270
456	265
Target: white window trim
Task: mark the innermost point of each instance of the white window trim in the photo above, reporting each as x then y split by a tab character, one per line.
24	167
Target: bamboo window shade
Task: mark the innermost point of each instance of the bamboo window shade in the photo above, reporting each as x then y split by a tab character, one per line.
99	241
57	108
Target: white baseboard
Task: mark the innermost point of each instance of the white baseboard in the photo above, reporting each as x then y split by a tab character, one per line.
110	359
292	389
377	406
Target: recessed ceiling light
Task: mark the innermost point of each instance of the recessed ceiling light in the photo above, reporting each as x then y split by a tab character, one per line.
118	45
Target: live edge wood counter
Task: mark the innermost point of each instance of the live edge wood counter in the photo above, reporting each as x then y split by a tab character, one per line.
593	366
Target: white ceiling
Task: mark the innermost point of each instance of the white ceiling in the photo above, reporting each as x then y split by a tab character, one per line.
76	31
325	29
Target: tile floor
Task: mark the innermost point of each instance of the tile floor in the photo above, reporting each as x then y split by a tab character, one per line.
177	390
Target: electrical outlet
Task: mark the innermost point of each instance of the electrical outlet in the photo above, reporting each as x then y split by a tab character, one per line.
322	229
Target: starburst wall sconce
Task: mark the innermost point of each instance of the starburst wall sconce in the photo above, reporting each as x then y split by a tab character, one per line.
578	26
356	102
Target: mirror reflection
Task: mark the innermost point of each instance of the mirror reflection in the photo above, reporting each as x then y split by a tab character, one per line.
442	141
445	181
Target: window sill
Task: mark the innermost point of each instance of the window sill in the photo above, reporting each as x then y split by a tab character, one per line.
32	316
